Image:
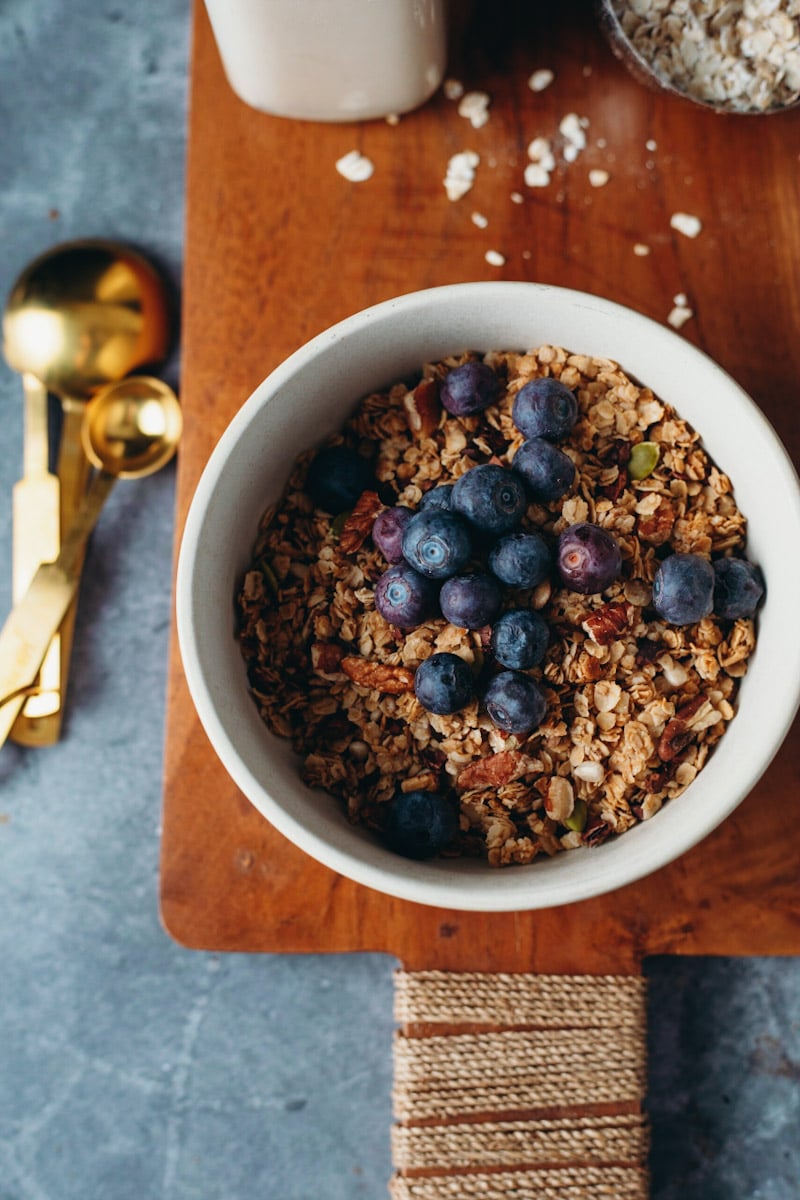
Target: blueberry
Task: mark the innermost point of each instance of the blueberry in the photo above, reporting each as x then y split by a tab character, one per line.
387	532
438	497
437	543
589	558
519	638
443	683
545	408
548	472
336	478
515	703
469	389
490	497
520	560
683	589
470	601
738	588
420	824
404	597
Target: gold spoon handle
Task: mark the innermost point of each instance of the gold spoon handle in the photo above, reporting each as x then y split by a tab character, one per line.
36	530
39	723
34	618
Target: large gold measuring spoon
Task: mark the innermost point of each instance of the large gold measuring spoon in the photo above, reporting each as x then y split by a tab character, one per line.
80	316
130	429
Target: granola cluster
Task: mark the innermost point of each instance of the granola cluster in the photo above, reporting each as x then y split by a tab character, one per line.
743	55
634	705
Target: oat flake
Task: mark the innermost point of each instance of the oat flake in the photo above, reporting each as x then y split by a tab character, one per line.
679	315
480	220
541	79
640	249
686	224
494	258
453	89
598	177
355	166
475	107
536	175
460	174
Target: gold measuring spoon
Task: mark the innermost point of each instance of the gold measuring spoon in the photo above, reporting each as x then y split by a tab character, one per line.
80	316
130	429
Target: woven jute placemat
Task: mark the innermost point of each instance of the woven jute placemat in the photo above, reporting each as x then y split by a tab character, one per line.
519	1087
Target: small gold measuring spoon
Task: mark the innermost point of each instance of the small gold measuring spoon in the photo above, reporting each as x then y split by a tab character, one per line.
81	315
130	429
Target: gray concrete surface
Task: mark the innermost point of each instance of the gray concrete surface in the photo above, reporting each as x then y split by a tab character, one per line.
130	1068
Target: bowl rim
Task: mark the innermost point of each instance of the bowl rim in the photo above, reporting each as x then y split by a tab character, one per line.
375	867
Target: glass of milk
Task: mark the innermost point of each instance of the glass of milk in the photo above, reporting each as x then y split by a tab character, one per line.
331	60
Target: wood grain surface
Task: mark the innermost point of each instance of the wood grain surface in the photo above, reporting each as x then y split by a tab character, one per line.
279	246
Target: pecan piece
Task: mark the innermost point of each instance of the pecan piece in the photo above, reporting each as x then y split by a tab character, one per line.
677	733
422	407
380	676
606	624
656	528
492	771
596	831
326	656
357	526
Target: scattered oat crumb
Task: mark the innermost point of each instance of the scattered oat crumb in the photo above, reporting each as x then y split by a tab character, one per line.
536	175
540	151
453	89
651	144
517	198
587	70
355	166
475	107
460	174
686	224
598	177
541	79
537	172
494	258
480	220
680	315
573	129
601	143
680	301
392	119
640	249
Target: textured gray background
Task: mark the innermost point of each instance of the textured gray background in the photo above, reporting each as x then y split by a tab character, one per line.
130	1068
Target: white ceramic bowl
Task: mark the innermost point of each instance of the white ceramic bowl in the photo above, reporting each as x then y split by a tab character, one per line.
306	398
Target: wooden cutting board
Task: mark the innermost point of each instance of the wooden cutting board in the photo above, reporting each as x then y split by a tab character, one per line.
279	246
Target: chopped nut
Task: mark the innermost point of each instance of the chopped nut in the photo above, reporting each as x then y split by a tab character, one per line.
493	771
657	527
423	408
380	676
358	524
606	624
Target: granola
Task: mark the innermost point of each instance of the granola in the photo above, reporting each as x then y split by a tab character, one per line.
634	705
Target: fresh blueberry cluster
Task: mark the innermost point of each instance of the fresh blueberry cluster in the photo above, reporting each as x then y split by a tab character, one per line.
687	587
459	554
